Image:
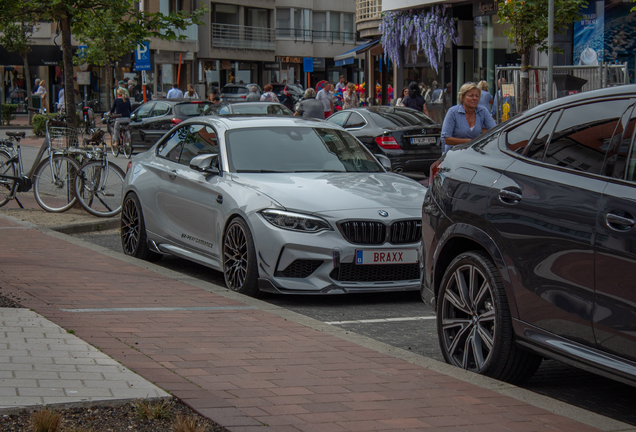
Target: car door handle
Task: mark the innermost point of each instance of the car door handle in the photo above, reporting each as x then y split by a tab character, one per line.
619	223
172	174
510	196
219	199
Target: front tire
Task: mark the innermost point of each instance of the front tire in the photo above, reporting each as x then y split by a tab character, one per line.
7	187
127	144
239	259
474	324
133	230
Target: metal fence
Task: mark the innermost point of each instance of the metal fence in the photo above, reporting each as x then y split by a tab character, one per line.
243	37
566	80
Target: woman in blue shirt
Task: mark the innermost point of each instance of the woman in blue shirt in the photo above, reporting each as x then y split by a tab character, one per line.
467	120
486	97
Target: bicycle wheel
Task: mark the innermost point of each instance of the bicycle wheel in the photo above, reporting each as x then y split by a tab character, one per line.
53	183
114	149
98	191
7	186
126	145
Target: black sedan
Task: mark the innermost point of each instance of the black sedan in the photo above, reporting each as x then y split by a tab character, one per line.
153	119
249	108
407	137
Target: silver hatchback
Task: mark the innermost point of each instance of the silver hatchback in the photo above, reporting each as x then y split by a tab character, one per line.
279	205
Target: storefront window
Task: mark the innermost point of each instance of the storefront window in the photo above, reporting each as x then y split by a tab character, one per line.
491	47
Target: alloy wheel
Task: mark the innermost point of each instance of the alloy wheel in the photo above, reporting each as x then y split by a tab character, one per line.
468	318
130	227
235	253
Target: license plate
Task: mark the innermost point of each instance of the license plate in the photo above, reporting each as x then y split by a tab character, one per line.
424	140
402	256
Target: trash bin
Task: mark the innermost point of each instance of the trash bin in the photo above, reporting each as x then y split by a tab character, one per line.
36	101
567	84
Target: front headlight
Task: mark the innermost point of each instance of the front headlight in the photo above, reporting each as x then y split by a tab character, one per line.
296	221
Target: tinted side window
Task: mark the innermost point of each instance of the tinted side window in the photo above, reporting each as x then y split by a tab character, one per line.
536	150
619	148
171	149
199	140
582	135
144	110
339	119
517	139
160	108
355	121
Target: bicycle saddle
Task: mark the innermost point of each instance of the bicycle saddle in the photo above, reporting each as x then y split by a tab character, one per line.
16	134
96	138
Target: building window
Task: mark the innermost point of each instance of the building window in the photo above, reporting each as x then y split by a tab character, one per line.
348	23
283	22
225	13
319	25
175	5
301	19
256	17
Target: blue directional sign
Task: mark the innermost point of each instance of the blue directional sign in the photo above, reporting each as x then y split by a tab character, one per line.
308	64
82	51
142	57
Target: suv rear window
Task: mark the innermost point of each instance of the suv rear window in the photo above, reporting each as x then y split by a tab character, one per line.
191	109
234	90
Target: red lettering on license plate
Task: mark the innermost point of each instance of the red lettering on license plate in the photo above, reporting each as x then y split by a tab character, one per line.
382	257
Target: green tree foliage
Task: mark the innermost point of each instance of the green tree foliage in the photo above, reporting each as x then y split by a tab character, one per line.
528	30
77	17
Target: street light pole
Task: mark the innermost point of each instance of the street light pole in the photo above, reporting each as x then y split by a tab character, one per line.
550	47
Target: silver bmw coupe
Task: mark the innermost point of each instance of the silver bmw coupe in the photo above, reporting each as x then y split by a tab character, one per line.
279	205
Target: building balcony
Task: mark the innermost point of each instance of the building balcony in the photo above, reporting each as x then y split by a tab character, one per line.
311	36
230	36
368	17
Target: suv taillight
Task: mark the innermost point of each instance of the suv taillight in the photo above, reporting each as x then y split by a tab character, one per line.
243	97
128	166
175	121
387	142
435	167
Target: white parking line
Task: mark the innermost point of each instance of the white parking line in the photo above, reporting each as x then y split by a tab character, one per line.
380	320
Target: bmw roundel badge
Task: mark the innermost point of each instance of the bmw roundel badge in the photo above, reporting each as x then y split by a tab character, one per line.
383	213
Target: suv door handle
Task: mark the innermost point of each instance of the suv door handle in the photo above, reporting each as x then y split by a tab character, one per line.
172	174
619	223
510	195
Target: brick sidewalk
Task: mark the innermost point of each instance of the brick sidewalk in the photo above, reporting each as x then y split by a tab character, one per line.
243	366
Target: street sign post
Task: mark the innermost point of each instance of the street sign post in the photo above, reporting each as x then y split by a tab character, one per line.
142	57
308	66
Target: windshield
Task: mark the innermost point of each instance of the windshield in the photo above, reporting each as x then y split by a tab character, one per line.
192	109
392	118
297	149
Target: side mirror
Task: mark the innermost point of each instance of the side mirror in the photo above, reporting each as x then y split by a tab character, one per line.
133	117
384	161
207	163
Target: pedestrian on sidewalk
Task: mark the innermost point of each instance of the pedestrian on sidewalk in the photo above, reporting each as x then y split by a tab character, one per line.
350	96
253	96
41	91
326	97
191	93
269	95
310	107
414	99
174	92
467	120
486	97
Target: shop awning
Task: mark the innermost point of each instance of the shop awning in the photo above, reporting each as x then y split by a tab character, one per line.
349	57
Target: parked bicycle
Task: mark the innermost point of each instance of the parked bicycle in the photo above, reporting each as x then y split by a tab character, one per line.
51	177
98	184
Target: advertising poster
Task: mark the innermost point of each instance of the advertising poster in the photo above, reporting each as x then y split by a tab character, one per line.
588	35
620	32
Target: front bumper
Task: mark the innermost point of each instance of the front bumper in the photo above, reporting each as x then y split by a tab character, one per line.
324	263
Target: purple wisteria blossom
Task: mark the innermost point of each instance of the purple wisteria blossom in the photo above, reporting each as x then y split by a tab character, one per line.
429	32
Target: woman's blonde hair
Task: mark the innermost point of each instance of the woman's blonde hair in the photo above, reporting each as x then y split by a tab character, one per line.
351	86
121	92
483	85
465	89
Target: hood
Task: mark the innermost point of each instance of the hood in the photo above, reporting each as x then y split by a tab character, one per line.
324	192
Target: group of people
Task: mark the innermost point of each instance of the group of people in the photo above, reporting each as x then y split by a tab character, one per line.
320	105
175	93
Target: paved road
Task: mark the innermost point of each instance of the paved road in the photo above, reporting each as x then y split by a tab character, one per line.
403	321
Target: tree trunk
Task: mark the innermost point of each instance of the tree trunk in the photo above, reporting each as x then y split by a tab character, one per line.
69	84
109	90
27	77
524	84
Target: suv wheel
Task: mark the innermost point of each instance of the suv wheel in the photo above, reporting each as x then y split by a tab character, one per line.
474	324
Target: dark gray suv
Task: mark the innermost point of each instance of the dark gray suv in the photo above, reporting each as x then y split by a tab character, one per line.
529	241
